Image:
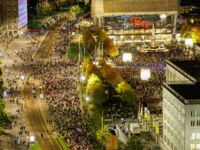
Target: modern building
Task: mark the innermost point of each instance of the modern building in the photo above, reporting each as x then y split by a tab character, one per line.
13	17
187	71
181	116
181	106
132	19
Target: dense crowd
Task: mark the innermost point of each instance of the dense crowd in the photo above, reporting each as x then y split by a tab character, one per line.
63	101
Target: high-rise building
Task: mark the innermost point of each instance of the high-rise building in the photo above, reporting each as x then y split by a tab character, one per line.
13	16
181	106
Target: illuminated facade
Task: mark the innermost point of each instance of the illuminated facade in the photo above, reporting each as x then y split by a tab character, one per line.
13	17
133	18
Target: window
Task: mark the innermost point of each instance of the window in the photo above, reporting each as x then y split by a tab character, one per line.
198	122
192	136
192	123
198	136
192	146
197	146
192	113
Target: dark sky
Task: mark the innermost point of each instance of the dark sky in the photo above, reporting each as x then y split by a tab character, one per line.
190	2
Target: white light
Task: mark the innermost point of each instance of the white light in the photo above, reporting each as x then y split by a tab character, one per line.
95	63
87	98
32	138
145	74
192	20
188	42
163	16
82	78
121	36
127	57
73	33
22	77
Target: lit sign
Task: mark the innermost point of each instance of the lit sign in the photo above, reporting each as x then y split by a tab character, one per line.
22	13
139	23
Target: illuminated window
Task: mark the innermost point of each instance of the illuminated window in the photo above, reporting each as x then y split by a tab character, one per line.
197	146
192	136
192	146
198	136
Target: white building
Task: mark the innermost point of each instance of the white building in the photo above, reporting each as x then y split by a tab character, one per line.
183	71
181	106
181	117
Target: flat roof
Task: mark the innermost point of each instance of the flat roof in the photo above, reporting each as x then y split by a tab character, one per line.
191	67
186	93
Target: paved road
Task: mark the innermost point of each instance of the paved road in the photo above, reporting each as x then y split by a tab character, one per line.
38	126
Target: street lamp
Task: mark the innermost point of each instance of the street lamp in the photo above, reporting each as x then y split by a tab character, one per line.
145	74
32	139
82	78
87	98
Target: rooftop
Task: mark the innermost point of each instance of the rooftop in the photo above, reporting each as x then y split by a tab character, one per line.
191	67
186	93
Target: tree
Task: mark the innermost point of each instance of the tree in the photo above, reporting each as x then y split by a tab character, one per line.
103	134
189	31
44	8
76	10
126	92
110	74
89	41
59	4
134	143
95	90
89	68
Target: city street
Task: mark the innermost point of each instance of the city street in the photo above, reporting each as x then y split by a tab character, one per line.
33	110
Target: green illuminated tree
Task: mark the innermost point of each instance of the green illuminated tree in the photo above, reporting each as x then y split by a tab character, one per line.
103	134
126	92
44	8
95	90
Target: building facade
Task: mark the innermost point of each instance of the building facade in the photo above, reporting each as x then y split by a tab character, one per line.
13	17
181	106
135	18
181	117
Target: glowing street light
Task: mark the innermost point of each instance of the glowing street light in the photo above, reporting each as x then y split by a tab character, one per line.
188	42
95	63
145	74
127	57
87	98
32	139
163	16
82	78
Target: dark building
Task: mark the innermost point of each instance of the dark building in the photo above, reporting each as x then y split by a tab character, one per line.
13	17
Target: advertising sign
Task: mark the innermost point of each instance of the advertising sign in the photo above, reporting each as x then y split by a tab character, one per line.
22	13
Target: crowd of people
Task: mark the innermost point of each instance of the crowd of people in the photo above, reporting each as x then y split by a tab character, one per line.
62	97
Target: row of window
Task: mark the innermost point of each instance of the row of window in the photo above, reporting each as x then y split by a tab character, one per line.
194	146
168	142
195	123
195	136
174	112
195	113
